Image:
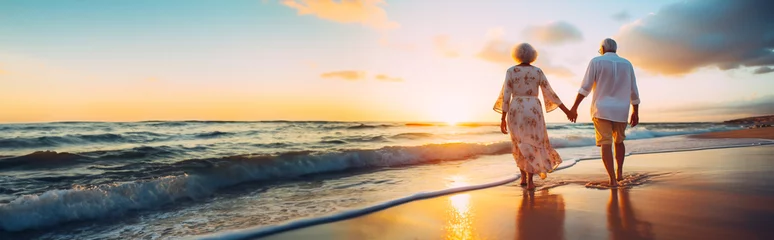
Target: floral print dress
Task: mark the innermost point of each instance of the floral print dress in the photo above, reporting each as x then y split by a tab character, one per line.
531	147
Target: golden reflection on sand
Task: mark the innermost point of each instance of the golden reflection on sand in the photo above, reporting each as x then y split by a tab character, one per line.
621	219
459	223
541	216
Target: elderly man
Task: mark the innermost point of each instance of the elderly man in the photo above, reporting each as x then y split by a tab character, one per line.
611	78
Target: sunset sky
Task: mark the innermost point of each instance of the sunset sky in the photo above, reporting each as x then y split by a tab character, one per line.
369	60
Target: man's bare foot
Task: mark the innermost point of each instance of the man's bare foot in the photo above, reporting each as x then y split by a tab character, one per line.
619	176
523	183
613	183
531	186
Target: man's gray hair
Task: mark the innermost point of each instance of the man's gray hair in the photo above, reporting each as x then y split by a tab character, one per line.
609	45
524	53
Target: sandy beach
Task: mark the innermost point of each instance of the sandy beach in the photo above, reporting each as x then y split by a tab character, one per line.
765	133
707	194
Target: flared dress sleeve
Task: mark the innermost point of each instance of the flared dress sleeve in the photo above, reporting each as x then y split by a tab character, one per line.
504	99
552	101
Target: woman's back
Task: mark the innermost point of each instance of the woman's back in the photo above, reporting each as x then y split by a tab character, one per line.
525	80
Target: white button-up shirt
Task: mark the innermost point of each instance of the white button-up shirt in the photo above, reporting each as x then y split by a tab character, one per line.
611	78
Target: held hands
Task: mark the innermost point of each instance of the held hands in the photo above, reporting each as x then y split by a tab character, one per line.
572	115
503	126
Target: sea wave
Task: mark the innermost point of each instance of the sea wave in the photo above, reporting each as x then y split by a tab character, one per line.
366	126
413	135
41	159
654	131
205	176
214	134
53	141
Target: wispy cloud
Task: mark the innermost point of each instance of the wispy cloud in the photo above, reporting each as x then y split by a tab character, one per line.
386	78
688	35
622	16
499	50
353	75
554	33
496	49
366	12
348	75
444	48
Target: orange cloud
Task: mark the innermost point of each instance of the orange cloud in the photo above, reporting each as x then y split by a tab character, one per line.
366	12
385	78
498	50
443	47
346	75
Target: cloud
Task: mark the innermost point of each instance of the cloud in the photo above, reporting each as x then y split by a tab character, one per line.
760	70
498	50
554	33
622	16
556	71
443	47
366	12
685	36
352	75
346	75
385	78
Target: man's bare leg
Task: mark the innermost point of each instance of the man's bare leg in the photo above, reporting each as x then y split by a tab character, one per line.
607	159
620	153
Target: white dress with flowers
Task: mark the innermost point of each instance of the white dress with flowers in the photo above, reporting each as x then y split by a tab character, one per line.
519	97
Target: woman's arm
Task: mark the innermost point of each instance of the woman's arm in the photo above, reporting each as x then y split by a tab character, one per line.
503	123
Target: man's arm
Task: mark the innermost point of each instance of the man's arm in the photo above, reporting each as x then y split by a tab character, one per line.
635	99
574	110
635	115
585	89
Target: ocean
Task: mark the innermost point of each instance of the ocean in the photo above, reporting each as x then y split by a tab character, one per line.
165	179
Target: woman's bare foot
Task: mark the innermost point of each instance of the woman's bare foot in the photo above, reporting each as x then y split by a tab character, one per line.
531	186
619	176
523	184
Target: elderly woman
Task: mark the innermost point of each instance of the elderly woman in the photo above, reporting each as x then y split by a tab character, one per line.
522	114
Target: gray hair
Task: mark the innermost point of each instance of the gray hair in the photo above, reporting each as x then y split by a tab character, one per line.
524	53
609	45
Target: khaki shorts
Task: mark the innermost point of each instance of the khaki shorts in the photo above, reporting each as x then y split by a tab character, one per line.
609	131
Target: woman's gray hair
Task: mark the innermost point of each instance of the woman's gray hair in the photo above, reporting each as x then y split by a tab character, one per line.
609	45
524	53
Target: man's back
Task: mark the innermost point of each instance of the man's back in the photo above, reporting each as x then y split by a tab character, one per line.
612	80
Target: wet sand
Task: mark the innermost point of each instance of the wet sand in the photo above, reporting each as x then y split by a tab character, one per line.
764	133
708	194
